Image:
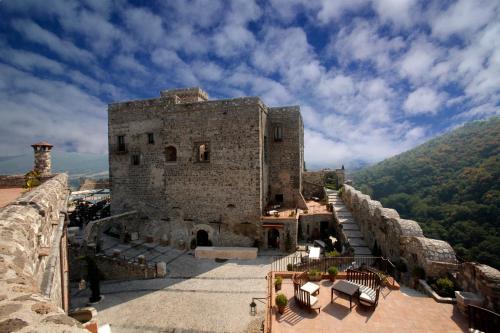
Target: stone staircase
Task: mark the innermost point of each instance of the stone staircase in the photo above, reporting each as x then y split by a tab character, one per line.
349	226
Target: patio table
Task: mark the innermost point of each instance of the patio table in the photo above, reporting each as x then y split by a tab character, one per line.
345	288
311	288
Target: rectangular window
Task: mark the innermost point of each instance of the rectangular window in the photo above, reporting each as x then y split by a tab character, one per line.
121	142
151	138
278	133
136	159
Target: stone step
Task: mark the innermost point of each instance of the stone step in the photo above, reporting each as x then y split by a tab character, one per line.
350	226
343	220
357	242
361	250
353	233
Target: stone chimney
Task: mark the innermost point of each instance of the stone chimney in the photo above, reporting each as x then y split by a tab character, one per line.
186	95
43	163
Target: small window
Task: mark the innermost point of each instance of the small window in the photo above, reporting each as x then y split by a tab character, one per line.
203	152
151	138
278	198
136	159
170	154
121	142
278	133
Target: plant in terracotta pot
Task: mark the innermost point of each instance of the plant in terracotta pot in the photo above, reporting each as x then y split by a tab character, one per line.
277	283
314	275
281	302
332	272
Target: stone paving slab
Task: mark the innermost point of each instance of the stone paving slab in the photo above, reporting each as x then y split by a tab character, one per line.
198	295
350	226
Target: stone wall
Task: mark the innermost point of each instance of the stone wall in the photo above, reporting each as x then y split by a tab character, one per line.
224	196
483	280
119	269
310	225
16	181
314	182
33	284
286	155
396	238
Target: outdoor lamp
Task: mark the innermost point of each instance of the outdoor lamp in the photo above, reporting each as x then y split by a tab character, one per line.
253	307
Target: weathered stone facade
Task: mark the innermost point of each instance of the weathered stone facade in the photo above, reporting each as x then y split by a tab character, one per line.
43	161
398	239
191	165
482	280
33	261
314	182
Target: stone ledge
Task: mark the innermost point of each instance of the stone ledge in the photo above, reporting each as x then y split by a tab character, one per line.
433	294
210	252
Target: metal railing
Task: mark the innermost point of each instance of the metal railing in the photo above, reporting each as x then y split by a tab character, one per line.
301	264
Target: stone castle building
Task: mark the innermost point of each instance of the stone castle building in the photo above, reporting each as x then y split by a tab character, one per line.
205	169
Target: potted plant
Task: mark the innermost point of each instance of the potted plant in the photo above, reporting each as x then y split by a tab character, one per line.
277	283
289	267
314	275
332	272
281	302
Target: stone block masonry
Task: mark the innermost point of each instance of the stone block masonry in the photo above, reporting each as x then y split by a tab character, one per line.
203	170
396	238
33	265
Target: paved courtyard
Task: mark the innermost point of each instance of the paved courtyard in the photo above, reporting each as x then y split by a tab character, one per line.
198	295
7	195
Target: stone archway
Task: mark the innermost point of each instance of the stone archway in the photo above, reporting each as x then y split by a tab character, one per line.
202	238
273	238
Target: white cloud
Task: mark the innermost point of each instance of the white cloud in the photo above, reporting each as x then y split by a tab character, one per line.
145	25
464	17
401	12
419	60
129	63
64	48
332	10
361	41
423	100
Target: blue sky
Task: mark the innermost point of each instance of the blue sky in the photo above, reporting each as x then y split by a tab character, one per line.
373	78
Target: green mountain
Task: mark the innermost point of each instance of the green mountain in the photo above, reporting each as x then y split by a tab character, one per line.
450	185
77	165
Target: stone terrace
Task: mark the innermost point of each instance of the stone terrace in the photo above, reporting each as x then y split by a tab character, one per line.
7	195
404	310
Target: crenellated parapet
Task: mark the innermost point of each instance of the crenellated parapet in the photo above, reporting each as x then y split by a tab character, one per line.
396	238
33	266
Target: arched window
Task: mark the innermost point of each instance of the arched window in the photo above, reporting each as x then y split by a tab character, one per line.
170	154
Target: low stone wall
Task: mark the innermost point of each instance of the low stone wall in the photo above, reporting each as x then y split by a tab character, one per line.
211	252
483	280
396	238
33	284
14	181
119	269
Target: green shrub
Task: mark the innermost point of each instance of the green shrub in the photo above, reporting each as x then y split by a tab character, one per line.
333	270
281	300
32	179
333	253
289	267
314	273
278	281
445	287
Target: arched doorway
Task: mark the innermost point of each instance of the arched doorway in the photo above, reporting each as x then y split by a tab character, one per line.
202	238
273	238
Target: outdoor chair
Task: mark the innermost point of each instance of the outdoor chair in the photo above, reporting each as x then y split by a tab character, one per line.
302	297
369	286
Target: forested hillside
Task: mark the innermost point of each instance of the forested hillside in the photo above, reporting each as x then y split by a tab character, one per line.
450	185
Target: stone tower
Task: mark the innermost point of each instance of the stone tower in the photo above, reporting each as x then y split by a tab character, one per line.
43	163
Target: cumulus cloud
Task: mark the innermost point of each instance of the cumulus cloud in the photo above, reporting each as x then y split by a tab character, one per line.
423	100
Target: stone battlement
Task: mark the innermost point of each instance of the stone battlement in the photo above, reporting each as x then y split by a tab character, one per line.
33	270
398	239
